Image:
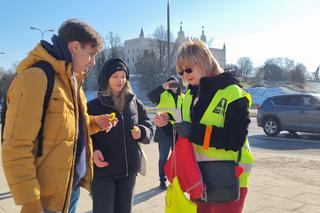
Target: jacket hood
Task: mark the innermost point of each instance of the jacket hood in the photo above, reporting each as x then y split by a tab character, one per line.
57	54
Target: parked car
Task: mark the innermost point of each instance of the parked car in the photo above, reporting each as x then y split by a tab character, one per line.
293	113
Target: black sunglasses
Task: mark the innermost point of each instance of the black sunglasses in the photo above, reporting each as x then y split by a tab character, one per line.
188	70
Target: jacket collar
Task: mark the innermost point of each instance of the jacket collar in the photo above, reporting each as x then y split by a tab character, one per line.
107	100
221	81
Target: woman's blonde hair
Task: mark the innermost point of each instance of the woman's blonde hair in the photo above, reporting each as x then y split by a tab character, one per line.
118	100
198	52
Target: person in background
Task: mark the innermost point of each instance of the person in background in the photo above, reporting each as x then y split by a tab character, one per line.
168	95
51	182
117	155
216	116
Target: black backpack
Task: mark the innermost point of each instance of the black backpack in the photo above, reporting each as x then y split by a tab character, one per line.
50	73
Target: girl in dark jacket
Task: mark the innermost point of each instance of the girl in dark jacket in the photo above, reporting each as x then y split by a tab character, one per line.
117	155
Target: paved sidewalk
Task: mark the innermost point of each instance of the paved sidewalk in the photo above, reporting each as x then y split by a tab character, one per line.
268	193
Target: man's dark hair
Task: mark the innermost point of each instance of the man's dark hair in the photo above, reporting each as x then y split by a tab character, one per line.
76	30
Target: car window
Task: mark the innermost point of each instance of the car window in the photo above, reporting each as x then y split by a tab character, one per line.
267	102
316	99
284	101
307	101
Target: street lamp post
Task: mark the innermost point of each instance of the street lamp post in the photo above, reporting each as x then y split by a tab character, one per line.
42	32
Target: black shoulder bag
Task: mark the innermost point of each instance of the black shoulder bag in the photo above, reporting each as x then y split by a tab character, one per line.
221	180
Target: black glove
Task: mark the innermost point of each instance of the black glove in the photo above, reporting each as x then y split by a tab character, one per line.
183	129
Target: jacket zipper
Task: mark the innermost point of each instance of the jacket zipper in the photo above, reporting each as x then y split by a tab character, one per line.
125	146
124	137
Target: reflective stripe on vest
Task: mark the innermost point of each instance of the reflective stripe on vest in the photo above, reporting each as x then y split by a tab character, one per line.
215	116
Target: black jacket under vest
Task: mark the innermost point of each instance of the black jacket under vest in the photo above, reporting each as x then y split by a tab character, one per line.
118	147
237	119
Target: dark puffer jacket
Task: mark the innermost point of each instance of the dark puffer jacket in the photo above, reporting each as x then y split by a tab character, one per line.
118	147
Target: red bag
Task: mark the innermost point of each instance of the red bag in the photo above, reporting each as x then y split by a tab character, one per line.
182	163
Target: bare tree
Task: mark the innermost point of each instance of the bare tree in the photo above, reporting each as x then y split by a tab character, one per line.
6	77
149	74
245	66
90	82
151	66
298	75
115	45
271	72
316	74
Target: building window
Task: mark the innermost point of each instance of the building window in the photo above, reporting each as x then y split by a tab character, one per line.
133	50
128	60
128	50
132	59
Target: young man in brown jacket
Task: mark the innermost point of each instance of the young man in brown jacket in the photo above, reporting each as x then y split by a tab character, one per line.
51	182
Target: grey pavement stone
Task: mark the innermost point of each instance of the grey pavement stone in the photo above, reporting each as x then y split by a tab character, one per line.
282	192
308	198
310	208
268	192
280	203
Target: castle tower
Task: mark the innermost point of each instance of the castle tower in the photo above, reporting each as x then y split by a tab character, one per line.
141	33
203	37
181	36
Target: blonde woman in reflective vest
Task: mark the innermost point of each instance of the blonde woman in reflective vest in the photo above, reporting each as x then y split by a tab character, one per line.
215	110
167	95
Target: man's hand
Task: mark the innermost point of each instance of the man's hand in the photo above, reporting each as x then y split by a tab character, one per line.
166	85
161	119
106	122
136	133
99	159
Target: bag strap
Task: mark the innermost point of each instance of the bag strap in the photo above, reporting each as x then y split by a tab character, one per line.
174	163
50	74
239	155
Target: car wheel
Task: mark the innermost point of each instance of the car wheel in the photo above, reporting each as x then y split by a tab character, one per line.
271	127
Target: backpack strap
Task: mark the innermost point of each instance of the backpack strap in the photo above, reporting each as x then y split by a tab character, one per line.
50	73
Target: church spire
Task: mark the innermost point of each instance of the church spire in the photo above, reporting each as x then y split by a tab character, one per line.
141	33
203	37
181	36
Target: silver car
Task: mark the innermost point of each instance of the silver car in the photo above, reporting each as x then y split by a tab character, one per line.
293	113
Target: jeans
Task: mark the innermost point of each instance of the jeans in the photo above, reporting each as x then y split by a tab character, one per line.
73	201
164	147
113	195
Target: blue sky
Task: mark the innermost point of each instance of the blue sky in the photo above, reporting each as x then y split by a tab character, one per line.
259	29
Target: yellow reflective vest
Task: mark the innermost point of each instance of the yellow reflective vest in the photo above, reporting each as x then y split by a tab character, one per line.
167	101
215	116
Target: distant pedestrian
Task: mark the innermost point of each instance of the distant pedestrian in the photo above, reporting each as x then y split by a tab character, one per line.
168	95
